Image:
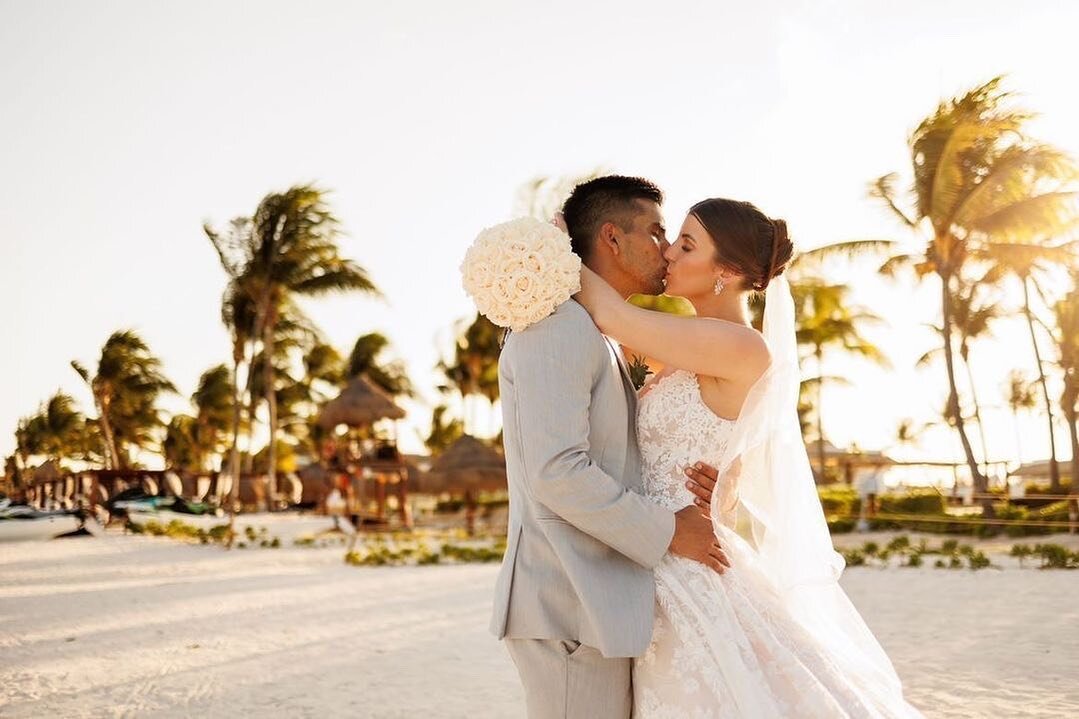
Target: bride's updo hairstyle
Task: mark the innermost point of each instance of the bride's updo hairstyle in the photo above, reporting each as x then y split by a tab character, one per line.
747	240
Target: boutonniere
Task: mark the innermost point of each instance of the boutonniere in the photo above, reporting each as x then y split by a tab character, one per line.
638	372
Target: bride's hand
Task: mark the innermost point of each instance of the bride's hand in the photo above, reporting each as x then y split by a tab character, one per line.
596	295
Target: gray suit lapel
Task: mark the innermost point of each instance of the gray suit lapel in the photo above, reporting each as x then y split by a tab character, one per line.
627	378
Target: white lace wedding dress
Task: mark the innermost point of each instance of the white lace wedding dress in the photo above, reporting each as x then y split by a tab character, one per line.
725	645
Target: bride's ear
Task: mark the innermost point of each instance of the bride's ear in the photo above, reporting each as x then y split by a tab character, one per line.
724	275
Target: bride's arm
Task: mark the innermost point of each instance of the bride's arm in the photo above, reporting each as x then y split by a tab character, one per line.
702	345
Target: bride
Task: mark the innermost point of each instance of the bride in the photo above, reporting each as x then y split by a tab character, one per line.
775	635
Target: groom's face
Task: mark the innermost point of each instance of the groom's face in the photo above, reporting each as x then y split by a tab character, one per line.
643	247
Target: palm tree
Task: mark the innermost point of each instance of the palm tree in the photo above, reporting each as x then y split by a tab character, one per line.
181	444
126	388
57	431
1066	312
323	363
213	410
826	320
445	430
473	371
976	177
238	316
1021	395
368	357
289	248
235	248
1025	261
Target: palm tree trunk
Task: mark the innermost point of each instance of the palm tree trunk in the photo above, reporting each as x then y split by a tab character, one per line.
271	402
977	412
820	415
981	482
106	432
1054	469
1071	397
234	452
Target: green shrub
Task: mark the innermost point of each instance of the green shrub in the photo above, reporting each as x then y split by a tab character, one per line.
978	560
914	559
854	557
1056	556
1038	489
839	500
921	501
899	543
841	525
1012	512
1021	552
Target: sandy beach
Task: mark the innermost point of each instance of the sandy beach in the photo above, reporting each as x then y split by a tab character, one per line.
128	626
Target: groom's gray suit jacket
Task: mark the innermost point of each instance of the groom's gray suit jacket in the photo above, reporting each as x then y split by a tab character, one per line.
582	539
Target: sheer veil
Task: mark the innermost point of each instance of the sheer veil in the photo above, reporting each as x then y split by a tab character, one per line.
777	491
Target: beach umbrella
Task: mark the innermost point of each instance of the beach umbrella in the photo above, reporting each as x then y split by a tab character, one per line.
360	404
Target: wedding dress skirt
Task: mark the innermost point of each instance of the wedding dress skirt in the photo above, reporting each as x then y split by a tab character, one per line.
726	645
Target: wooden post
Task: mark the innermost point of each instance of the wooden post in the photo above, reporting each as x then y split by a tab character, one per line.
402	496
381	481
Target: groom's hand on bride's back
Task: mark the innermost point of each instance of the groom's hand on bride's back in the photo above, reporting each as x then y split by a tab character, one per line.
694	539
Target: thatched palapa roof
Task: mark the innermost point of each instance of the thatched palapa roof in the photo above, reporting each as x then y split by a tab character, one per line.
467	465
360	404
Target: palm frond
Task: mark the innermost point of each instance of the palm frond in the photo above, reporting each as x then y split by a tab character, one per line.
883	188
1049	214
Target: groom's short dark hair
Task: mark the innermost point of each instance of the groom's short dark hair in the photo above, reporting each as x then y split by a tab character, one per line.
611	198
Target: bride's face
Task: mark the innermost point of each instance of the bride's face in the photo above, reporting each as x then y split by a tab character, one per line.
692	270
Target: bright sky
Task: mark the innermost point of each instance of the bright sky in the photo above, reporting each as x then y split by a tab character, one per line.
127	124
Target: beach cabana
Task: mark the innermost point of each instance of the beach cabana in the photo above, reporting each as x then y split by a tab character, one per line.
466	468
362	404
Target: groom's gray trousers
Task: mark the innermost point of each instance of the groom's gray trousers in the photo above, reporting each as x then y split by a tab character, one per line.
567	680
582	538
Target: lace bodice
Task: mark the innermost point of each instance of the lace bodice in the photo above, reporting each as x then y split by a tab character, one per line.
675	429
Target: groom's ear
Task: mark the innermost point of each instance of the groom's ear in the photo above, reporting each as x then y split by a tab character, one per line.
609	237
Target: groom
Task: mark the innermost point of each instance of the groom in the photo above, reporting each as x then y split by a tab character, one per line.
575	596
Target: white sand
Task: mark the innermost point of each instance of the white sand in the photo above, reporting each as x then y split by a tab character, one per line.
140	626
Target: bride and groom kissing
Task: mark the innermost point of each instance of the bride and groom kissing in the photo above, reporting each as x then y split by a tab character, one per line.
667	553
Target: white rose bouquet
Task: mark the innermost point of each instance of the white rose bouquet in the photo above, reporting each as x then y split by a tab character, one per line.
518	272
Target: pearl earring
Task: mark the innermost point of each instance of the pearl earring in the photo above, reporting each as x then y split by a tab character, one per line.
719	286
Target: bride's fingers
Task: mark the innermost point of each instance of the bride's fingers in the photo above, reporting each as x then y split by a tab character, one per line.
715	564
700	485
719	555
